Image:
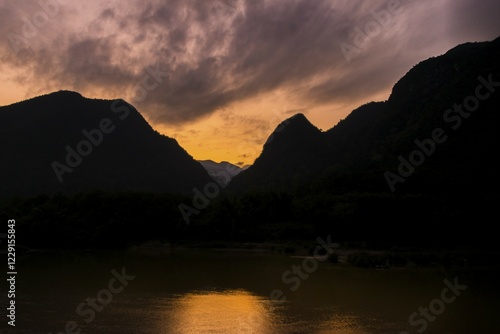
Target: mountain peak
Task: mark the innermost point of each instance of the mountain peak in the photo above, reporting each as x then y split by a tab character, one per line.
222	172
63	92
298	119
63	142
356	153
296	126
65	95
290	148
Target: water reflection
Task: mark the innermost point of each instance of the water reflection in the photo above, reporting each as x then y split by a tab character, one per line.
339	323
207	292
234	311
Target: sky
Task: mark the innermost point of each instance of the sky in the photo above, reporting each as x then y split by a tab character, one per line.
220	75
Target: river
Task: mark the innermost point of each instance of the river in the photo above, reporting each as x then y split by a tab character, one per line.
210	291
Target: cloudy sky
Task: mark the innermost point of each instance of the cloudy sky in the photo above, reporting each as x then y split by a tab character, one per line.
219	75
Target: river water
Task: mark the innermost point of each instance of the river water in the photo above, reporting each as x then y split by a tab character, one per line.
209	291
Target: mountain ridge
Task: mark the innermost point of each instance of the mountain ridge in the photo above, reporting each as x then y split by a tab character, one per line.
64	142
370	139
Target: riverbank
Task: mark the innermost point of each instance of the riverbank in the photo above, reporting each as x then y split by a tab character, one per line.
355	256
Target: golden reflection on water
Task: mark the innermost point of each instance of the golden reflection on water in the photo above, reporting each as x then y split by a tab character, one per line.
233	311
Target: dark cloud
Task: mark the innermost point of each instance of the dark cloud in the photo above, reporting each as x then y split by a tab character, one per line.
474	20
107	14
218	52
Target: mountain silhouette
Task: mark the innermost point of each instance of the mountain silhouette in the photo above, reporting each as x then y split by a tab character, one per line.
289	153
63	142
401	171
364	152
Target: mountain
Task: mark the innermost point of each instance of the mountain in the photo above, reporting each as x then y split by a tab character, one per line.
289	153
435	134
63	142
222	172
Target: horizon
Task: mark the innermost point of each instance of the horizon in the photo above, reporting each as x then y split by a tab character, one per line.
202	74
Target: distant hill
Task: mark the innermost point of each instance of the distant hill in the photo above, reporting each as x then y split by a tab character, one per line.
222	171
63	142
364	152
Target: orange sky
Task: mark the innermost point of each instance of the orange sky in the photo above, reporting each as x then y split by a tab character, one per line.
229	134
222	74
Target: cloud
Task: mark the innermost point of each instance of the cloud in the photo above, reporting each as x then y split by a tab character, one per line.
219	52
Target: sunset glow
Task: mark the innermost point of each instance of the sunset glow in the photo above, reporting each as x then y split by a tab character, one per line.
220	75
